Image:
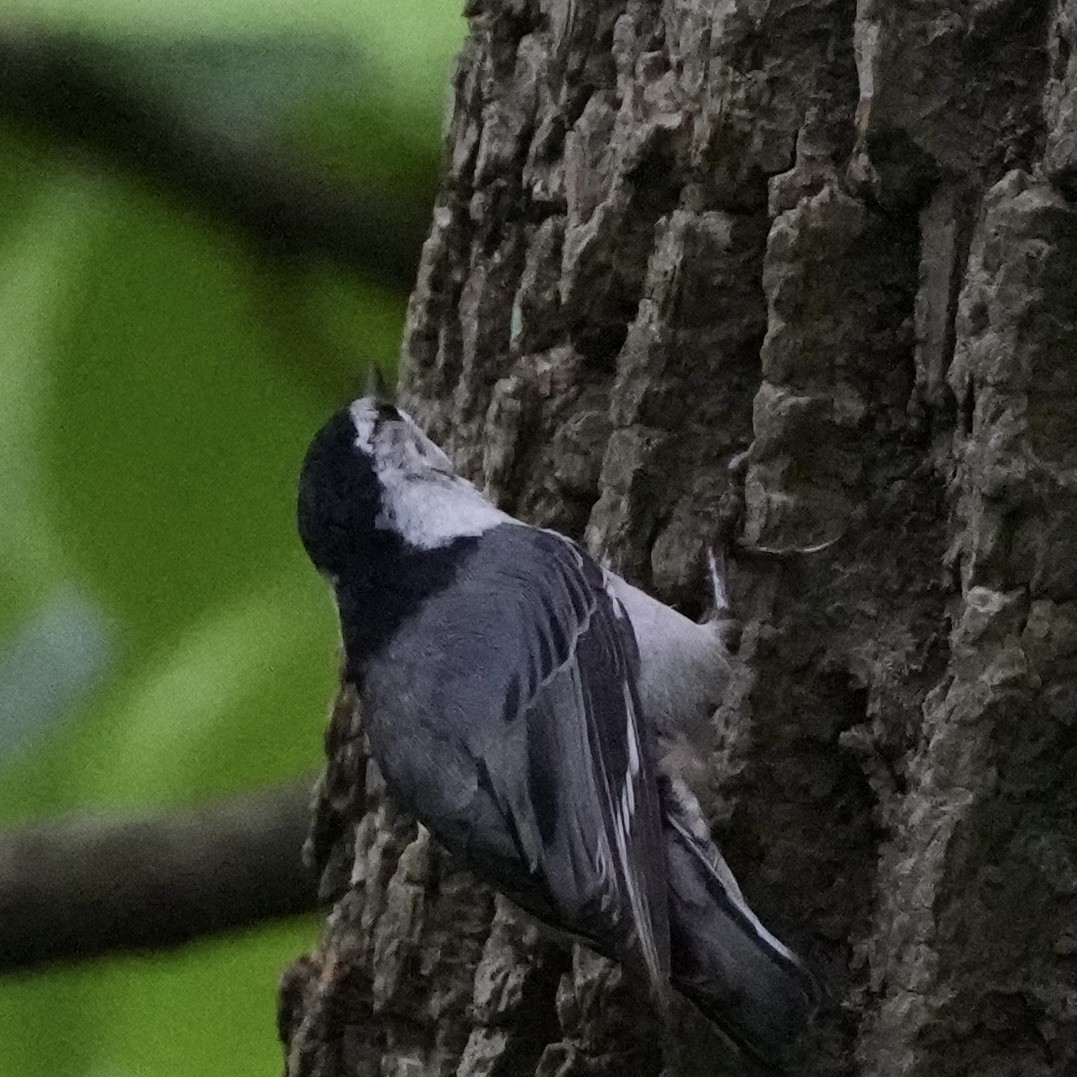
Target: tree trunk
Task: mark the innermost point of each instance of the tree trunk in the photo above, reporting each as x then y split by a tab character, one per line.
840	232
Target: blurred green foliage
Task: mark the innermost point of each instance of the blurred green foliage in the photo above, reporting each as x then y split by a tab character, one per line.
162	637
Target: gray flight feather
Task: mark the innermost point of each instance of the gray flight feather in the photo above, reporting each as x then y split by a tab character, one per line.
505	713
723	958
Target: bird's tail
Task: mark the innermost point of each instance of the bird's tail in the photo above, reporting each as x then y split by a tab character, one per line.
723	959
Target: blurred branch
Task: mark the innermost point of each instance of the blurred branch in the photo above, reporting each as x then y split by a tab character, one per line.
79	888
75	91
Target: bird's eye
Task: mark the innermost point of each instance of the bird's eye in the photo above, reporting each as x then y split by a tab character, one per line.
386	412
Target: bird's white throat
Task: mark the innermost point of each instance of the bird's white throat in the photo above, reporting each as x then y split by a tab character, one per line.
422	498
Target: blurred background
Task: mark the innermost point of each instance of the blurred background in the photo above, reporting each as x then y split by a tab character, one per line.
210	214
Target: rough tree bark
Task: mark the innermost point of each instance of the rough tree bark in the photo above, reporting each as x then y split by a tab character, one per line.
842	232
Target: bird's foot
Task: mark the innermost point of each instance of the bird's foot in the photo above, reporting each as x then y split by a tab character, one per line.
732	518
792	550
738	462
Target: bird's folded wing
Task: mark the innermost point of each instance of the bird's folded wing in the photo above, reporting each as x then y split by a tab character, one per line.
523	671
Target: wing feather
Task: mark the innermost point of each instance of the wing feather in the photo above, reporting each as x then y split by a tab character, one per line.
506	714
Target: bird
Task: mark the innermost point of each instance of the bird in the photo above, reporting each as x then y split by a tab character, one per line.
523	702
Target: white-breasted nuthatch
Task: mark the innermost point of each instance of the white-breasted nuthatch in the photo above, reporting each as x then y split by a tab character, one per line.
514	694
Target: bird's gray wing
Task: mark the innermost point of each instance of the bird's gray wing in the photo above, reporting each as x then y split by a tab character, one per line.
506	714
743	978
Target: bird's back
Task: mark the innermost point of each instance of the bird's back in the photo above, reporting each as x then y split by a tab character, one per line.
504	713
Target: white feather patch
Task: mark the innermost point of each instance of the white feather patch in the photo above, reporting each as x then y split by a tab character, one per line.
423	499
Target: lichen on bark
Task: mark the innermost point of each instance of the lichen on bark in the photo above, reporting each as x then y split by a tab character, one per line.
840	232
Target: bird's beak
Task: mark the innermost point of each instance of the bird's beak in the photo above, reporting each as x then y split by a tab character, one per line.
376	384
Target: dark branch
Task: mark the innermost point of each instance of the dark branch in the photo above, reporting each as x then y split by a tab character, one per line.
79	888
76	92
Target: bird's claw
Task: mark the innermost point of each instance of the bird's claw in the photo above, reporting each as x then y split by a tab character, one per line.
738	462
750	548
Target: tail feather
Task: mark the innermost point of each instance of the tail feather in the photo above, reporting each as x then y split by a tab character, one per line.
724	960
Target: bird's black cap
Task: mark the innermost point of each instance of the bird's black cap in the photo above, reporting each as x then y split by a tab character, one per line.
338	495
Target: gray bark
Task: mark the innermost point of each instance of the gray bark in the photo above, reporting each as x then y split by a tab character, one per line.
843	232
